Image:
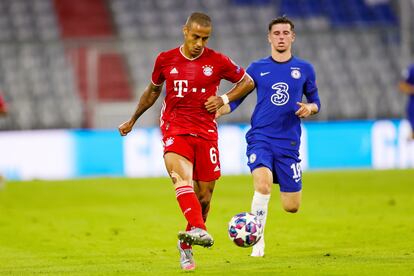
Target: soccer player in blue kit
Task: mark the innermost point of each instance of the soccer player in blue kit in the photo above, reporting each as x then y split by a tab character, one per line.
407	87
273	140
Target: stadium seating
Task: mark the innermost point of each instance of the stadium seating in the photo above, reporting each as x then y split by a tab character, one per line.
83	19
35	76
346	43
354	46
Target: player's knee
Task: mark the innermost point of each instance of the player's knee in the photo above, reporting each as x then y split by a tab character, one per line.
263	188
181	182
291	208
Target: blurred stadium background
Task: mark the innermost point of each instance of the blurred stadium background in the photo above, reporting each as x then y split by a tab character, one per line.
76	64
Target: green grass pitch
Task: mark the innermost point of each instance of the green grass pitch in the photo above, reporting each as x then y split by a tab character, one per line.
350	223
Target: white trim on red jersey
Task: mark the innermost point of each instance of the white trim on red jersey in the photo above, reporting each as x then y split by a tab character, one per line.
202	51
153	83
164	105
246	74
241	78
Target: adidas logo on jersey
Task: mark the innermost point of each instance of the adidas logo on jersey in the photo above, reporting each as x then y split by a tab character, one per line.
169	141
217	168
174	71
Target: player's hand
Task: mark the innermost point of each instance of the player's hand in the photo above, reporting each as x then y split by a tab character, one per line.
304	110
213	103
125	127
225	109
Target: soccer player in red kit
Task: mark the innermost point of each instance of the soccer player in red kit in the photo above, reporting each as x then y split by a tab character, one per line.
3	108
3	111
192	73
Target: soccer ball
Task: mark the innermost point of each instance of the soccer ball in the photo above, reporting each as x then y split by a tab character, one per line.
245	229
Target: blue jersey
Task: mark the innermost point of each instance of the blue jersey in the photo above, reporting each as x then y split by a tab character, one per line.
409	78
279	86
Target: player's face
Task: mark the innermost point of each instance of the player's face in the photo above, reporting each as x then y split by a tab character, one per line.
281	37
195	39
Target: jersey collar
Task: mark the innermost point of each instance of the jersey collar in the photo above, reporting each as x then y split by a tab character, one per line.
181	51
287	61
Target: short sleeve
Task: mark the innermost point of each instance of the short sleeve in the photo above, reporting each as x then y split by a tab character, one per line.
250	71
157	75
230	70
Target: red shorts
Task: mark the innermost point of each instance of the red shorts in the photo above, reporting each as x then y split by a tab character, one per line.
202	153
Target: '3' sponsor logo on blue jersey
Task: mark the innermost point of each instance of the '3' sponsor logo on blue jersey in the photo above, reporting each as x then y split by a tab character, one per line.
281	95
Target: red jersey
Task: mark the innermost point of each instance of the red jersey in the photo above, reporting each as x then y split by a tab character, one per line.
3	107
189	83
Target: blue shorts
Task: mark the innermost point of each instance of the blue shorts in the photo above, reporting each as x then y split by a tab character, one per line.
284	164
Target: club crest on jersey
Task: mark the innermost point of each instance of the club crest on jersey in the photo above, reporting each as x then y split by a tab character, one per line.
237	66
281	96
238	69
208	70
295	74
169	141
252	158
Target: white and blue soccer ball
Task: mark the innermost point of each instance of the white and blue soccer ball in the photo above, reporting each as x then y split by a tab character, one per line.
245	229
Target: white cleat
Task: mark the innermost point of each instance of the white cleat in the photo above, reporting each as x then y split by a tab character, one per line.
258	248
196	236
186	258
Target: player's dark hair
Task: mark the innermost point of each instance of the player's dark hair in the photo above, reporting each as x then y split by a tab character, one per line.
200	18
281	20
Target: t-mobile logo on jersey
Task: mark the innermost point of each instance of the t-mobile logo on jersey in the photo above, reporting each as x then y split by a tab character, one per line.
181	86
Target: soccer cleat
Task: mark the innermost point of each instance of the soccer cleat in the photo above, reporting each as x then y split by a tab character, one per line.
258	248
196	236
186	258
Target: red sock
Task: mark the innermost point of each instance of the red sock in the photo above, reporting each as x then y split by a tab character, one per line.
188	228
190	206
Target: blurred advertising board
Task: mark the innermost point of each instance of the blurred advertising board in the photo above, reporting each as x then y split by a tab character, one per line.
63	154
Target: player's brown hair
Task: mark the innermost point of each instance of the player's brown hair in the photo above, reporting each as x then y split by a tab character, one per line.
200	18
282	20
